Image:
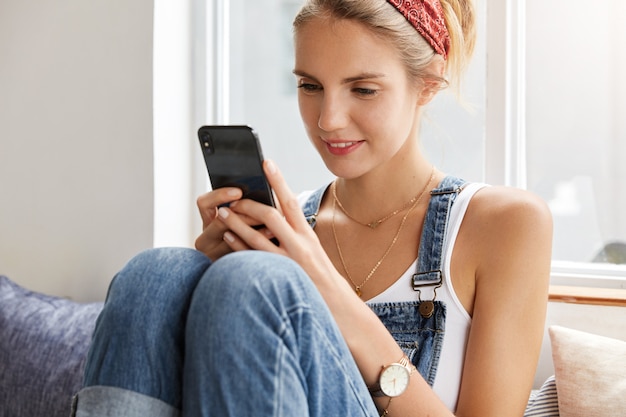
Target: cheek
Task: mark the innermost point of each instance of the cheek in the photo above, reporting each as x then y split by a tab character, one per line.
385	117
393	122
308	111
402	113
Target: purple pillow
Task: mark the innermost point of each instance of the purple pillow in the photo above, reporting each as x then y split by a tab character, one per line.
43	347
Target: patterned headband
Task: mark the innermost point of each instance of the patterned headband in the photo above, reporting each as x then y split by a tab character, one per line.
426	16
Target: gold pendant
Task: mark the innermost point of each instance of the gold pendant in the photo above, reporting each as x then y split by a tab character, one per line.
357	290
374	225
426	309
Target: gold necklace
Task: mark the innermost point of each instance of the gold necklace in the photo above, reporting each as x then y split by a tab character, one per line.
357	288
374	224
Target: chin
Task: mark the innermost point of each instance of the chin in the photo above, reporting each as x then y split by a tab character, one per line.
345	169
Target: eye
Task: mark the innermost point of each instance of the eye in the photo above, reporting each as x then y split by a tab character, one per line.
365	92
309	88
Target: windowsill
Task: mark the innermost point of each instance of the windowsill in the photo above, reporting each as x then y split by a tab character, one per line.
587	295
593	275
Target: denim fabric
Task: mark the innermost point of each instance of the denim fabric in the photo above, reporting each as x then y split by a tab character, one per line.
139	339
429	261
421	338
247	335
281	354
101	401
250	335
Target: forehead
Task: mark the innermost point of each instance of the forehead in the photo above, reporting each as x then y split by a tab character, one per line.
343	47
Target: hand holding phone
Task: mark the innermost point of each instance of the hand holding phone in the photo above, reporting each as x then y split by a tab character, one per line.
234	158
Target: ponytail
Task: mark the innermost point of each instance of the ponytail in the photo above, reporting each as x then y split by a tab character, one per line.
460	18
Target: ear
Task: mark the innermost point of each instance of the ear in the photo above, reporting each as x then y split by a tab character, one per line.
429	89
432	85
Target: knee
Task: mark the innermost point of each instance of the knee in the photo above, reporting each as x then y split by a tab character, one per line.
249	294
157	274
256	266
241	276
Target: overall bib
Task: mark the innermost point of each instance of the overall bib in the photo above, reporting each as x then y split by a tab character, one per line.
417	326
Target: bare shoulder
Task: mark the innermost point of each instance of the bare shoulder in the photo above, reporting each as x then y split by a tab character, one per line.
506	236
508	208
507	229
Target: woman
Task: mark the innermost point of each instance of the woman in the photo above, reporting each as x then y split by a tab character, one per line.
454	274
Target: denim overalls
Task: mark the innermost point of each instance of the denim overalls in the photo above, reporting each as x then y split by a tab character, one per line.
417	326
280	317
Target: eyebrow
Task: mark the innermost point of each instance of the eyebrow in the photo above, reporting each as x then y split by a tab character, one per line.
360	77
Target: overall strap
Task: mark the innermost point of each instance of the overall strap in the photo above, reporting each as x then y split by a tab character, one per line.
312	205
430	261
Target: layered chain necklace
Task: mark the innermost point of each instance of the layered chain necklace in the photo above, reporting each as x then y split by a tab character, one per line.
410	205
373	224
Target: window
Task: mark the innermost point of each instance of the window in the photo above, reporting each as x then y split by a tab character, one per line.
546	95
575	125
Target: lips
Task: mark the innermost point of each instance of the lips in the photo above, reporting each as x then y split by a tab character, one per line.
342	144
342	147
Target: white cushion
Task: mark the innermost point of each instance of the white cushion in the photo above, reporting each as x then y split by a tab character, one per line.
590	373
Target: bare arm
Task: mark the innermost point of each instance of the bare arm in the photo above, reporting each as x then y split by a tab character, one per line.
512	231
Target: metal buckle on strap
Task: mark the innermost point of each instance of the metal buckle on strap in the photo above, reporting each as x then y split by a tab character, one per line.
432	279
448	191
429	278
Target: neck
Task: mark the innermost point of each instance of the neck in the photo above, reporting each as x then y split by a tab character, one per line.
385	189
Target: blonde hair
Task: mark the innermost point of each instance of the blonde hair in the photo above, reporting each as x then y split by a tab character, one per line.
416	53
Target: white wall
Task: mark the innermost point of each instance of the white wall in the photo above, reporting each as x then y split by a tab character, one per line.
76	158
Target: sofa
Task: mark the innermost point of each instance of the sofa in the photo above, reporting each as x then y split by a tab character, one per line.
43	348
44	342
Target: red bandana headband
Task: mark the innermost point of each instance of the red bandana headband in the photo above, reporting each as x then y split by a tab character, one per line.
426	16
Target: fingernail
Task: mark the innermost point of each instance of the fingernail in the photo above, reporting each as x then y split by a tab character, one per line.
271	167
229	237
233	192
222	212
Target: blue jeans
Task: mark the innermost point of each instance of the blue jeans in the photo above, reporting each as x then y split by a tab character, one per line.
247	335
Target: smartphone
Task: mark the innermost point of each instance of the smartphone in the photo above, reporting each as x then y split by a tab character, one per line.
234	158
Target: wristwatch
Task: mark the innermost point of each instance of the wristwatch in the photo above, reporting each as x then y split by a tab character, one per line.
394	378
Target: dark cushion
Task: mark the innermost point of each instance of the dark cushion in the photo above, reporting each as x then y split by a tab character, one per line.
43	347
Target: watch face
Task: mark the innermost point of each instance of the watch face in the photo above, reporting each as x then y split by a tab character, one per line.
394	380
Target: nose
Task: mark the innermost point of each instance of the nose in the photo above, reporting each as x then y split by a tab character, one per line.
333	113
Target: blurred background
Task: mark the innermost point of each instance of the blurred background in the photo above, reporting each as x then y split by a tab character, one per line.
100	102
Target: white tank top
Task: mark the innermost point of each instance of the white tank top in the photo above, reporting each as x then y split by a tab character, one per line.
449	370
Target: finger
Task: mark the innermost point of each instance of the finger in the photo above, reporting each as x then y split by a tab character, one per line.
207	214
234	242
211	246
209	202
250	211
210	240
240	234
287	199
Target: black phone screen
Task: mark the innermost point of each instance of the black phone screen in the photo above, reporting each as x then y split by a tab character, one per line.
234	158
